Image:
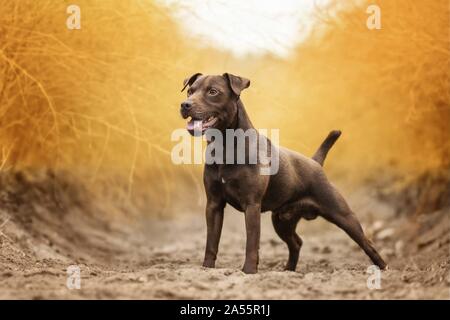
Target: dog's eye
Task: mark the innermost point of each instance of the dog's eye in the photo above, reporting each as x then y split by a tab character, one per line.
213	92
189	92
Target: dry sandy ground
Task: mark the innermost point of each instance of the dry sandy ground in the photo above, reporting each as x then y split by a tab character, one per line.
43	231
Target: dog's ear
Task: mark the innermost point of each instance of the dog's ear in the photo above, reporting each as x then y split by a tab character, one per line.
237	84
189	81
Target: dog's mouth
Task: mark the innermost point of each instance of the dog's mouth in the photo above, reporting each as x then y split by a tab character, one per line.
199	125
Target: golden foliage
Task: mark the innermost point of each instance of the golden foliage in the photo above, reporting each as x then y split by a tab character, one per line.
91	100
388	89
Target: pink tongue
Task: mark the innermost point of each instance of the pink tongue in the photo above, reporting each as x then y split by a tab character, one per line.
194	125
190	125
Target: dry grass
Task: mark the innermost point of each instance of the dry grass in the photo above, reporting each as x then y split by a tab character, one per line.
388	89
92	100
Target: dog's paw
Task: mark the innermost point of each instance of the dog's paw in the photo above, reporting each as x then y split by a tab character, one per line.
209	264
290	268
250	269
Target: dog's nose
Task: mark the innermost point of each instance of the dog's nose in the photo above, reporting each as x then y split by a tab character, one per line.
185	106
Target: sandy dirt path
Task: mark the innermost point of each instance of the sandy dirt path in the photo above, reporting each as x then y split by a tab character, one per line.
331	266
161	259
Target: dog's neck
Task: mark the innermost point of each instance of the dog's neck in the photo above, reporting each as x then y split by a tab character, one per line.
242	120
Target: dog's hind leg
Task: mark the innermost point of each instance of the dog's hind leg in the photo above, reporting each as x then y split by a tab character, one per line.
348	222
335	209
285	228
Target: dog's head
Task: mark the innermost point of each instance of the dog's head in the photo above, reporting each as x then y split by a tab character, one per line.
211	101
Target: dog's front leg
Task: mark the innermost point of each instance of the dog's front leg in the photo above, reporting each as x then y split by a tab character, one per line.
214	222
253	228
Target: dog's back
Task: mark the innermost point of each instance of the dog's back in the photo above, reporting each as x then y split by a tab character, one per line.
297	173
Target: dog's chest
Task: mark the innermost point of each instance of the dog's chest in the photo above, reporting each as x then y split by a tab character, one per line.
232	192
233	188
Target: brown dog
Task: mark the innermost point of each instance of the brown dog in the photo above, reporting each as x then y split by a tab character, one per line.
298	190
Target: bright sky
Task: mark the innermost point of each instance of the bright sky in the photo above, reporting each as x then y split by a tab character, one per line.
247	26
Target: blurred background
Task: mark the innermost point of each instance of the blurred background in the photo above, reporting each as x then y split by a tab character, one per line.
102	101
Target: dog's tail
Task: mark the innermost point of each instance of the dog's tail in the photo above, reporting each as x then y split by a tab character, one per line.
326	145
